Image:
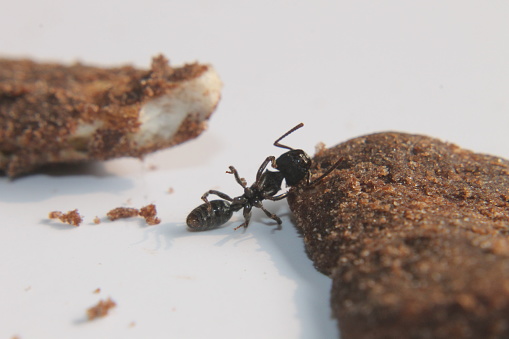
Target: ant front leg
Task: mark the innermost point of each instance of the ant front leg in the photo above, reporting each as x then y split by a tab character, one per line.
277	197
242	182
218	193
272	161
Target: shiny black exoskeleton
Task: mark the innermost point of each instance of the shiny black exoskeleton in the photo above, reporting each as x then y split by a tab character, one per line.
293	166
215	213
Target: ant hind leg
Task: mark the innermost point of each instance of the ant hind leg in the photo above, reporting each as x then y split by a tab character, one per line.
218	193
247	218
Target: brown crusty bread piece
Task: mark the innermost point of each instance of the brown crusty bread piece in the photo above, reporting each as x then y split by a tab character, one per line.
414	233
52	113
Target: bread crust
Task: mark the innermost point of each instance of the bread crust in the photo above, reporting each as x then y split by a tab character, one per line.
414	233
52	113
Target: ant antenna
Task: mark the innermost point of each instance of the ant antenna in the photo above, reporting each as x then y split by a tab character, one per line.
277	144
320	178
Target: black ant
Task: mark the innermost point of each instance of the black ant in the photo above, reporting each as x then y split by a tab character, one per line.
293	166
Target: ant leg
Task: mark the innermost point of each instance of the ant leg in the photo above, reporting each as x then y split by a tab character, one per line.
271	215
320	178
247	217
270	159
277	144
219	194
277	197
242	182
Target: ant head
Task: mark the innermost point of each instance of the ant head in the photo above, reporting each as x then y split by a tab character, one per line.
294	165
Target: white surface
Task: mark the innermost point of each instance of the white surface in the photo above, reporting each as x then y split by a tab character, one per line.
344	68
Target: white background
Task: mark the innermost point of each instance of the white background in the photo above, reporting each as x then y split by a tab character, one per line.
344	68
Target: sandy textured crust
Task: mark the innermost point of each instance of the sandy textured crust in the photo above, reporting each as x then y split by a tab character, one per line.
414	233
51	113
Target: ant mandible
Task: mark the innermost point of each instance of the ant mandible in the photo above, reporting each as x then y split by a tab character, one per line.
293	166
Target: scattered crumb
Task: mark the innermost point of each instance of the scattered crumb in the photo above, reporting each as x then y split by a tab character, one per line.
148	212
132	324
71	217
97	290
122	212
170	190
97	220
101	309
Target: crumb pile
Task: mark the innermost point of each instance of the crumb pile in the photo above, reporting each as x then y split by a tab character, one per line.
51	113
71	217
122	212
414	233
148	212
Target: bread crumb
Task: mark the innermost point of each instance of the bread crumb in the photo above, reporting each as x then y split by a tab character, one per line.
148	212
122	212
97	290
101	309
97	221
71	217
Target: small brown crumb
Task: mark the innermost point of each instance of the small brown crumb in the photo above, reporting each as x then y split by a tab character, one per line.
170	190
71	217
122	212
97	290
101	309
148	212
97	221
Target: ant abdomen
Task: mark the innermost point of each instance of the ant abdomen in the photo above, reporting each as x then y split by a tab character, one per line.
206	217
